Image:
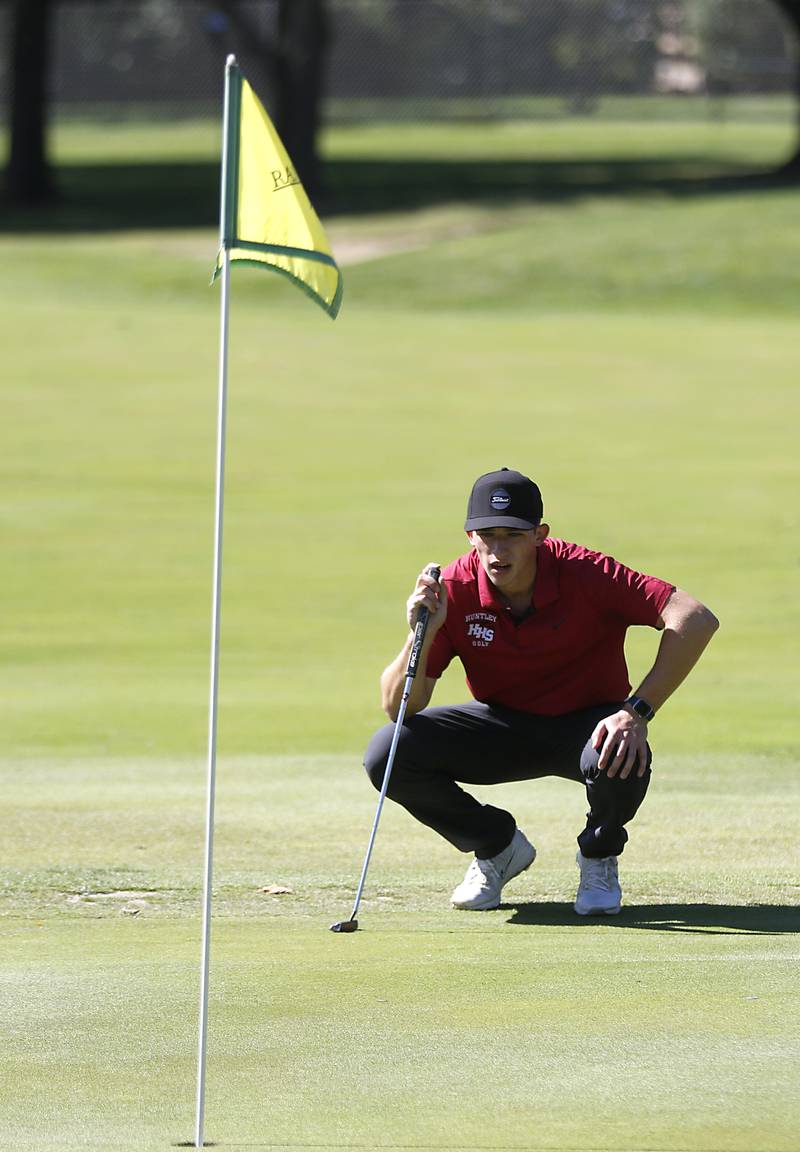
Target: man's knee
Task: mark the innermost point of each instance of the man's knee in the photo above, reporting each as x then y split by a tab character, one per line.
412	757
376	757
590	765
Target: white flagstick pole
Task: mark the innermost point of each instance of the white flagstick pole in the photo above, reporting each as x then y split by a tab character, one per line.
212	710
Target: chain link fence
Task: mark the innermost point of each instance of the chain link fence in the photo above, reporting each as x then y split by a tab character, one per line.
431	59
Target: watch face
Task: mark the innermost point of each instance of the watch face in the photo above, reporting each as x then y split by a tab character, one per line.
640	707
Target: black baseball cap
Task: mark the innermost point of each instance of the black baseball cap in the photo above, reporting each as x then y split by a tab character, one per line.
504	499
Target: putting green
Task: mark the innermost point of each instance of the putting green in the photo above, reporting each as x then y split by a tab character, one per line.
670	1026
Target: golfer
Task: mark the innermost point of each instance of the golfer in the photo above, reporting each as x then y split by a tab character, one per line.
539	625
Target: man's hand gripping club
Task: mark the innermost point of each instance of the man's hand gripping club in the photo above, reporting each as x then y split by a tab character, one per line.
429	593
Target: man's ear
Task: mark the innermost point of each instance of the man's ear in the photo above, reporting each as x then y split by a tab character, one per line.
542	532
471	541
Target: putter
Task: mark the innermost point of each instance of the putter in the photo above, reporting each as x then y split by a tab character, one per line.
351	925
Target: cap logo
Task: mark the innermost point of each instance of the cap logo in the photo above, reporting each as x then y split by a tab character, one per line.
499	500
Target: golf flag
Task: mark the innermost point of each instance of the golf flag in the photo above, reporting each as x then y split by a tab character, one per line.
267	217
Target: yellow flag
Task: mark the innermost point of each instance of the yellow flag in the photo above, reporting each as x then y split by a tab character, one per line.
267	216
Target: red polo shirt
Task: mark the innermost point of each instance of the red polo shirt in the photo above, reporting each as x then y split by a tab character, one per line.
569	652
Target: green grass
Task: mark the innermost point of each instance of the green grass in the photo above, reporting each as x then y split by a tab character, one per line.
142	172
631	132
338	487
517	1029
638	355
397	1039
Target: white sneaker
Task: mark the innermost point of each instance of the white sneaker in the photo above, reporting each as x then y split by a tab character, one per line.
599	892
481	887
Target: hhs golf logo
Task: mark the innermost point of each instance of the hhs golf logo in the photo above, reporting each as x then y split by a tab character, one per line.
477	631
482	637
499	500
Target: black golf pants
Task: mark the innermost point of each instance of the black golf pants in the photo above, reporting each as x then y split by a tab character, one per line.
439	748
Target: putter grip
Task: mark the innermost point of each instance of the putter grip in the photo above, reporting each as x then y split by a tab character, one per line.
420	629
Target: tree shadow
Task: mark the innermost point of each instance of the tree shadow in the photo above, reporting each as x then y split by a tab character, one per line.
705	919
365	186
134	196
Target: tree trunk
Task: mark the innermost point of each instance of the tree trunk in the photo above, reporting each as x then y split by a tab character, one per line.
302	43
791	10
29	179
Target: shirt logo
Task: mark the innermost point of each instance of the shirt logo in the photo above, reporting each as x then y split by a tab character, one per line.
499	500
481	635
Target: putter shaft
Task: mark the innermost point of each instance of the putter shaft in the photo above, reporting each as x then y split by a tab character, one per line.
411	671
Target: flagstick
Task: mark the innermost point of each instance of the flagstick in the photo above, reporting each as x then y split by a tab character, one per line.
214	693
212	712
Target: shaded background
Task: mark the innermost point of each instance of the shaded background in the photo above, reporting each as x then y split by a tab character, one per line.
329	62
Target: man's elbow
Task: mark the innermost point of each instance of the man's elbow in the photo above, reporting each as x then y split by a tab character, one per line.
711	621
684	614
702	621
388	703
392	709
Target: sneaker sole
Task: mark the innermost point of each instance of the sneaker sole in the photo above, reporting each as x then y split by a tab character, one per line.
488	906
598	911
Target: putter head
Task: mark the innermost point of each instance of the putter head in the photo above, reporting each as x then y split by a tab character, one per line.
345	926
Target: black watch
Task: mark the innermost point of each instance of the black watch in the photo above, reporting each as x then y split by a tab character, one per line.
639	706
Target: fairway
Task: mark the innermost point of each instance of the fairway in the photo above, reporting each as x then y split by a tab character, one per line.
639	356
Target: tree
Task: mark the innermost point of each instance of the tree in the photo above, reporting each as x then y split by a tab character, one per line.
29	178
294	63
